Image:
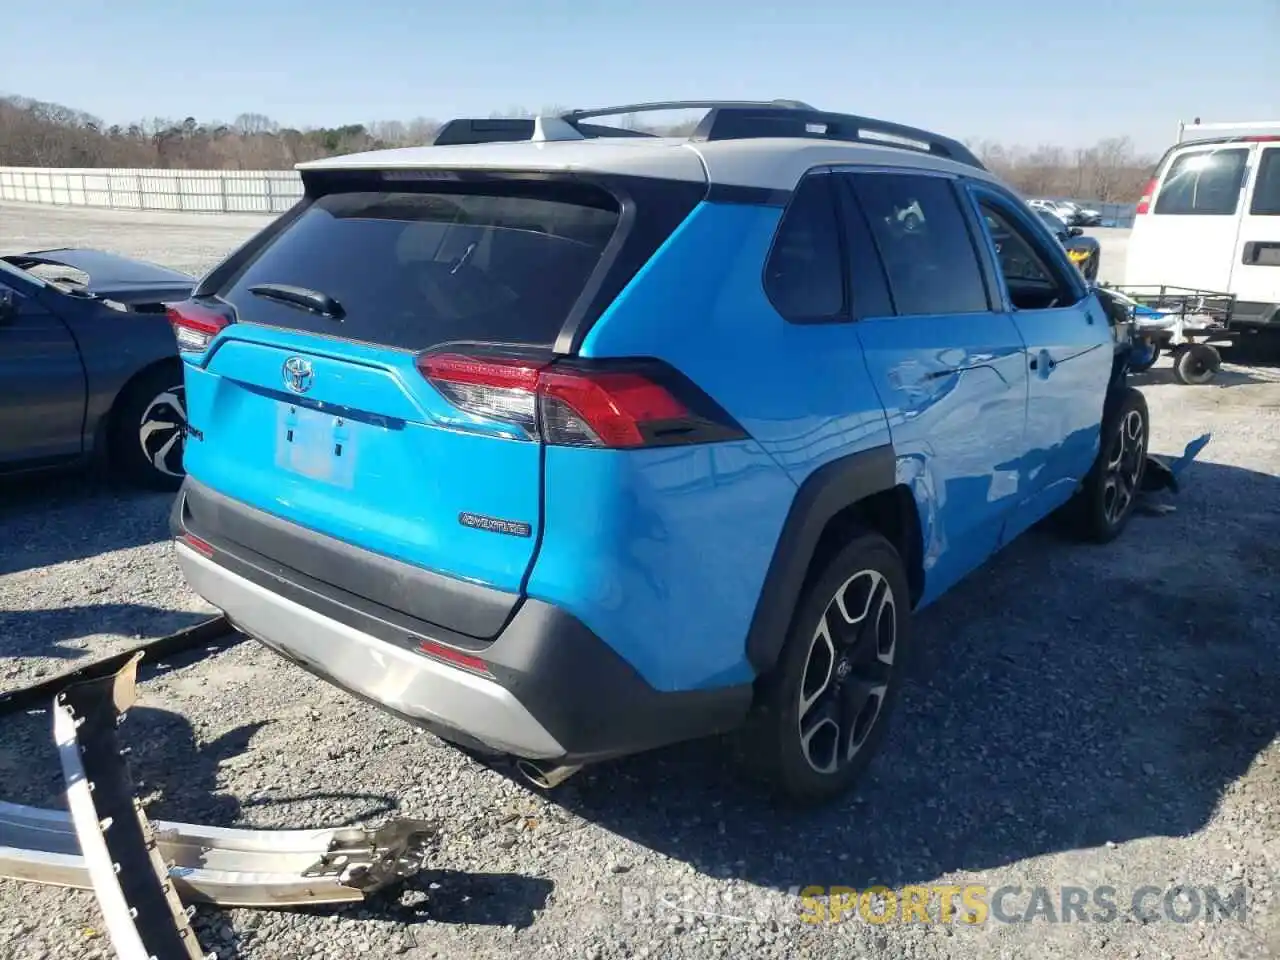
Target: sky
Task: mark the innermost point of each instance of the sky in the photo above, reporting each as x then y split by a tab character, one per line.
1027	72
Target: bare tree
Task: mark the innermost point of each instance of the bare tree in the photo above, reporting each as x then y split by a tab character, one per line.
255	123
34	133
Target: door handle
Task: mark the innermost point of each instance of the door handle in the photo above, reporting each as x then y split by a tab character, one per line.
1049	362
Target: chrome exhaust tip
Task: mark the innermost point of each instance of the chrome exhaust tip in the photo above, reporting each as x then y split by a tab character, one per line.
545	776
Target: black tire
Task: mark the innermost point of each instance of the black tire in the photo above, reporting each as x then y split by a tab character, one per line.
1144	366
1101	508
1195	364
863	670
147	431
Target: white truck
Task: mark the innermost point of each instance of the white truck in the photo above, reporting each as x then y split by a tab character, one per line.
1209	220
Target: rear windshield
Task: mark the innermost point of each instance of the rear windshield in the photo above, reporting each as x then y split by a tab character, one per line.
413	269
1204	182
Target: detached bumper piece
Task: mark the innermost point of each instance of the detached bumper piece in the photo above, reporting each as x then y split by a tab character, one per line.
1164	476
140	871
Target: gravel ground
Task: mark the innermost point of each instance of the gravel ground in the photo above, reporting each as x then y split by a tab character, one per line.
1075	717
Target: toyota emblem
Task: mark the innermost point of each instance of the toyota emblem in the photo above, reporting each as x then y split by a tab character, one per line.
298	375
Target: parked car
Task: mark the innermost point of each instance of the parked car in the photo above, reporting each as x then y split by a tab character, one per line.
1079	215
1084	252
1209	220
1072	213
88	365
574	448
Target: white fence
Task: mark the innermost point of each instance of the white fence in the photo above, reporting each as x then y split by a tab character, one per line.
200	191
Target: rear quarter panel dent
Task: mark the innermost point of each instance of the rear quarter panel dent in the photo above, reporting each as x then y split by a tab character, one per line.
663	552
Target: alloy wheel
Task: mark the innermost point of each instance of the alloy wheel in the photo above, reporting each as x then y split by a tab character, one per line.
162	429
846	674
1124	466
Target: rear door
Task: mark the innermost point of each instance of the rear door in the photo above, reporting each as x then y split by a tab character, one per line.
314	405
1188	239
42	383
951	372
1255	272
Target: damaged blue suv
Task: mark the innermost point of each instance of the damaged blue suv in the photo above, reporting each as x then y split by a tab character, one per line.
567	441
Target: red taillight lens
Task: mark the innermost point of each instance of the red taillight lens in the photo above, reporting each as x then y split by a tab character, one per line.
581	404
195	325
1149	191
604	409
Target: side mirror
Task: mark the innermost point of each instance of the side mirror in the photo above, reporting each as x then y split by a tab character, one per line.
8	305
1075	232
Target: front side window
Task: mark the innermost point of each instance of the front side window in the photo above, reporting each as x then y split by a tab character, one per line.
1203	183
1029	277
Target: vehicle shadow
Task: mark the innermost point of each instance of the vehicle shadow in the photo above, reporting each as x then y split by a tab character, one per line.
1063	697
463	898
176	776
1249	359
68	516
59	517
49	632
1162	373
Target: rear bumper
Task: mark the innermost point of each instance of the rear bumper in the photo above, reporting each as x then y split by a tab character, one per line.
552	690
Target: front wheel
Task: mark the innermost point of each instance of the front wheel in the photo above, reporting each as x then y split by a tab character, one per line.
822	713
1101	508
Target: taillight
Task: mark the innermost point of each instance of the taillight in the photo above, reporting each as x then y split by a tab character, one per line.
613	404
499	389
1149	191
195	325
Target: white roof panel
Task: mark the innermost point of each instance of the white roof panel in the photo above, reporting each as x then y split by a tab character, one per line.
770	163
778	164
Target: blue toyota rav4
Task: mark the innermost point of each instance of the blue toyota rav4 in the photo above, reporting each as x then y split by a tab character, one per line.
568	442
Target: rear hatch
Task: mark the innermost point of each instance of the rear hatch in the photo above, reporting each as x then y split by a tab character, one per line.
308	356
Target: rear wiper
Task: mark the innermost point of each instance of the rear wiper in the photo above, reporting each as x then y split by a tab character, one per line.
312	300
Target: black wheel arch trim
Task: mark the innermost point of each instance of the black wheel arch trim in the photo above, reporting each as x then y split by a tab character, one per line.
823	494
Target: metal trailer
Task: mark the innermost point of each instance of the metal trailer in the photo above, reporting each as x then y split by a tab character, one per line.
1187	322
141	872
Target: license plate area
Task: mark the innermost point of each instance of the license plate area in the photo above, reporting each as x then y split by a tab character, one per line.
316	444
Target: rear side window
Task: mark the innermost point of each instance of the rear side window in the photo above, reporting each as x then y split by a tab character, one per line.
924	243
803	277
411	269
1266	192
1203	183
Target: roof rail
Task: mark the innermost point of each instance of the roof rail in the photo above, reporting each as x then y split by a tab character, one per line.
574	115
747	119
1184	128
505	129
724	120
